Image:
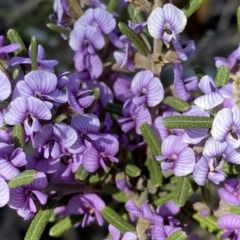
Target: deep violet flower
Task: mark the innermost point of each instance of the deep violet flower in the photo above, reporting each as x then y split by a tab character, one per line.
230	223
102	151
53	138
89	205
23	198
5	86
98	18
147	89
177	156
4	197
165	23
27	111
230	192
10	160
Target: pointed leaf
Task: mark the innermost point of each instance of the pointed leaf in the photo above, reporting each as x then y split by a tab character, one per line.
111	5
18	136
116	220
75	6
115	193
234	209
81	173
199	72
34	53
238	19
135	39
132	170
181	193
177	103
183	122
58	29
14	37
40	221
192	6
23	178
59	118
178	235
155	172
163	199
63	225
222	76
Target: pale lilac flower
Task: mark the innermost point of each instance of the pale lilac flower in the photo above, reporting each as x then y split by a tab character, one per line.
230	192
23	198
230	223
97	18
27	111
4	197
4	50
147	89
159	129
177	156
11	160
102	151
166	23
162	232
226	127
5	86
114	232
60	7
89	205
53	138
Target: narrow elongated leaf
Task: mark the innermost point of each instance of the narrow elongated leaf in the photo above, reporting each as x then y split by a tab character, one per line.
59	118
63	225
40	221
14	37
155	172
151	139
192	6
178	235
183	122
132	170
222	76
181	193
199	72
34	53
177	103
75	6
81	173
163	199
116	220
238	18
18	136
58	29
23	178
111	5
234	209
115	193
135	39
96	94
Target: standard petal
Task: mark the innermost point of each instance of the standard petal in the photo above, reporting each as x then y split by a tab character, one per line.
201	171
4	196
5	86
207	84
91	160
214	148
156	23
229	221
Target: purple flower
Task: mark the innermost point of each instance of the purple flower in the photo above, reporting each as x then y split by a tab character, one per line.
5	86
60	7
177	156
230	192
4	50
226	127
133	117
41	84
4	197
27	111
230	223
165	23
98	18
147	89
24	198
87	127
10	160
89	205
103	150
53	138
182	87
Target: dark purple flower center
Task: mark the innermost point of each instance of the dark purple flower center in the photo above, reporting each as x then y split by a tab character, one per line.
29	119
66	159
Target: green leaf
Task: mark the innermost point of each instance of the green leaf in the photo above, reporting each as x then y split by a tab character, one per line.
199	72
135	39
63	225
40	221
230	168
181	193
183	122
58	29
150	139
163	199
96	178
59	118
96	94
81	173
34	53
114	108
18	136
192	6
238	19
4	104
74	4
178	235
14	37
177	103
155	172
116	220
132	170
222	76
115	193
23	178
111	5
234	209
